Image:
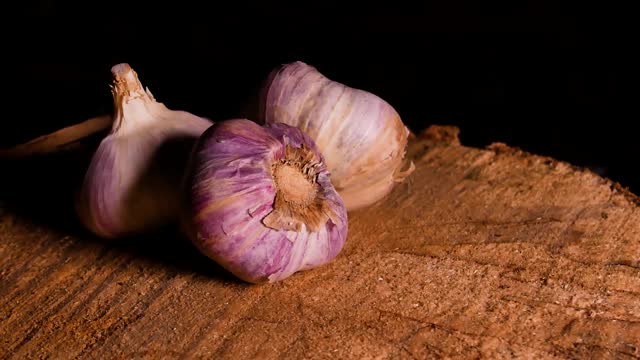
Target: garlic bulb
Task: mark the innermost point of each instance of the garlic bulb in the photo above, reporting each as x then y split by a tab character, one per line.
259	201
360	135
132	183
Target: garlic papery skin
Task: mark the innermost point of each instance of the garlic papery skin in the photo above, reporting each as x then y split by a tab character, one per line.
133	180
260	203
361	136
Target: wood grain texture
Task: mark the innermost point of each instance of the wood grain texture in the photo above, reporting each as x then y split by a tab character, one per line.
482	253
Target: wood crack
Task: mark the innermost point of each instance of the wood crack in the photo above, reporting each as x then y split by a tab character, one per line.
38	326
484	222
138	312
533	302
233	326
44	274
426	324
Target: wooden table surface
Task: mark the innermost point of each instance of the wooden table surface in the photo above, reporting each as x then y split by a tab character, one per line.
482	253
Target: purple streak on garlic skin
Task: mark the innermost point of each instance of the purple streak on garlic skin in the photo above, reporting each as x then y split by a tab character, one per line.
231	190
94	204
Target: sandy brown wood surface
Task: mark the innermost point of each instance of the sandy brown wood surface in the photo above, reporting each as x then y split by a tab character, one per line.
482	253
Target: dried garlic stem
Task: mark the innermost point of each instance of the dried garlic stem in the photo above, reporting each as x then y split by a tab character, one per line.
298	199
60	138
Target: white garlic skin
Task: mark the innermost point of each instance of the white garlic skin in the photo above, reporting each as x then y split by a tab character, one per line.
361	136
133	182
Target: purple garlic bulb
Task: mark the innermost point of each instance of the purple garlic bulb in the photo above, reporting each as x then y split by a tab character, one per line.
259	201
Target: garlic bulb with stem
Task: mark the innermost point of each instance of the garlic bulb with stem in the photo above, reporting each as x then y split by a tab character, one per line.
259	202
132	183
361	136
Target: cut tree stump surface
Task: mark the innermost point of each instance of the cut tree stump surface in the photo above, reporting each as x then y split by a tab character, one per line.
481	253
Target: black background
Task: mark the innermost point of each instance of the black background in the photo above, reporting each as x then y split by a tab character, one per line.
552	79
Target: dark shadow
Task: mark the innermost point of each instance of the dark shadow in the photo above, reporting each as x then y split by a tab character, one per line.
41	190
168	247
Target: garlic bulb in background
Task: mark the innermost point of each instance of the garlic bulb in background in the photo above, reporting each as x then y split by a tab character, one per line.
132	183
360	135
260	203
